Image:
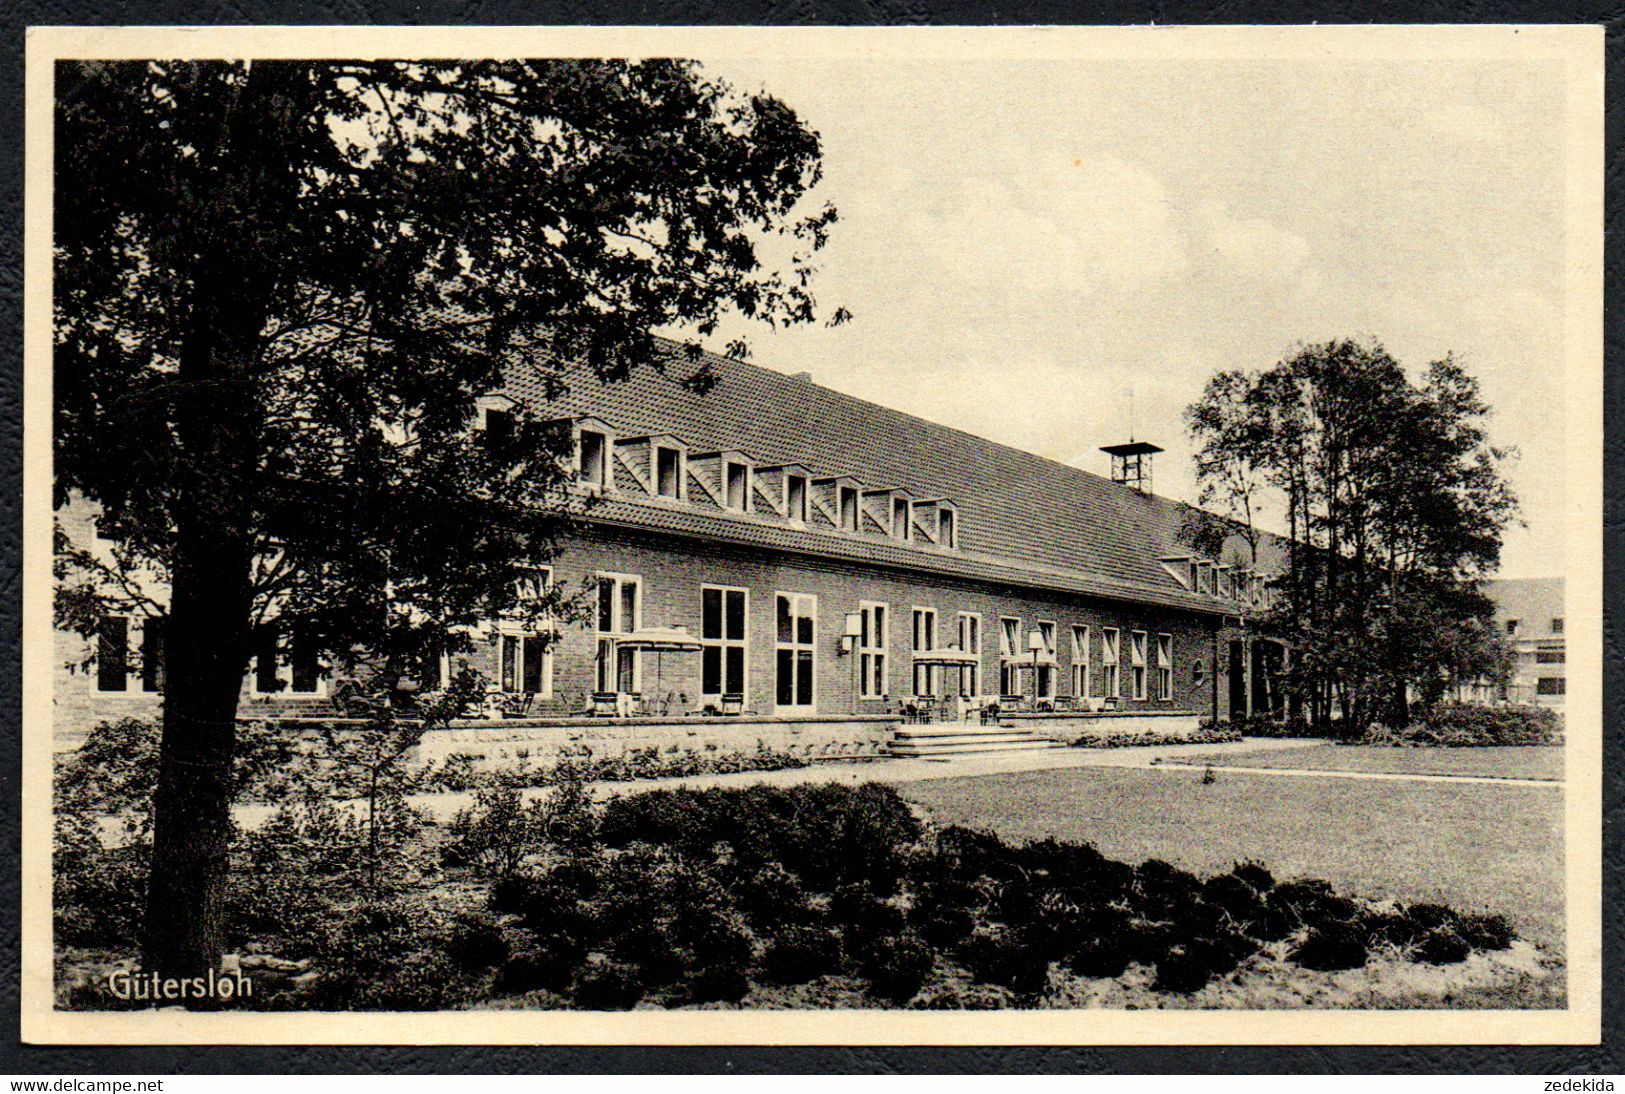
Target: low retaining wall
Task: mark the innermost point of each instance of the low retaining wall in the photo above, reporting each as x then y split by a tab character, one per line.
543	742
1070	726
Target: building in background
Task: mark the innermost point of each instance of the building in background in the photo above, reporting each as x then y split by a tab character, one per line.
1529	612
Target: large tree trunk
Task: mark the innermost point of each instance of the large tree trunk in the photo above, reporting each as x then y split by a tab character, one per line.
217	426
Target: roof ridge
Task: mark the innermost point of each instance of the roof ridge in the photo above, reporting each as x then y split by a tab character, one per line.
680	349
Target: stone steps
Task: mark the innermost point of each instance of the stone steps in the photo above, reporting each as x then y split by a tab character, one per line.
942	741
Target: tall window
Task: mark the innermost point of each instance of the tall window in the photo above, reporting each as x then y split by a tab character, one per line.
738	487
849	508
497	430
594	469
524	653
947	534
1551	685
925	639
795	498
285	663
970	640
1045	669
723	616
1137	664
1512	626
872	651
1557	625
795	642
1009	661
1110	680
620	612
899	518
1080	661
1165	666
668	472
114	672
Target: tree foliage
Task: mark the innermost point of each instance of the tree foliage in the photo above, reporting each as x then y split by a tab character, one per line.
1394	505
282	289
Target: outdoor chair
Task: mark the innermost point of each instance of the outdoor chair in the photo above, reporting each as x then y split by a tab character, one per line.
1064	704
733	702
517	705
605	704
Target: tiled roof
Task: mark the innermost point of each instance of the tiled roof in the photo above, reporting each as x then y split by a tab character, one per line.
1021	517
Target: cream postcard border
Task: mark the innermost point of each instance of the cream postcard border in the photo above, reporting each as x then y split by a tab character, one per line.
1578	50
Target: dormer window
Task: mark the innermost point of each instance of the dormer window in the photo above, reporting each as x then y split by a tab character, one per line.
795	498
947	528
668	473
849	508
736	487
593	463
496	429
901	525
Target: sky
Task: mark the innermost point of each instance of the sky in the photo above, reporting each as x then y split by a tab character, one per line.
1053	254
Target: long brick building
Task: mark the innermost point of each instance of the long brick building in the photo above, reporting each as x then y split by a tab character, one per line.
804	554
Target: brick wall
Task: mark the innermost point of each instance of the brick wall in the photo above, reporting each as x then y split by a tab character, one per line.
672	572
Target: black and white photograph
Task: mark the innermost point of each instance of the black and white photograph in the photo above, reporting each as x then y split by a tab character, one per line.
1003	535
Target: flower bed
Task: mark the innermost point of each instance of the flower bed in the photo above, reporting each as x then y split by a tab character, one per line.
459	772
1207	734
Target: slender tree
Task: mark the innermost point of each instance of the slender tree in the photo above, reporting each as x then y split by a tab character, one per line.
1394	503
282	289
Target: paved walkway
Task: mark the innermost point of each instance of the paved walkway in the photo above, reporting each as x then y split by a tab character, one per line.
444	806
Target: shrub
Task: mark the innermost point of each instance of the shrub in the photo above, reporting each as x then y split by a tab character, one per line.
607	985
1206	733
1255	875
1234	897
1462	725
385	955
897	967
1441	946
969	853
1004	957
1184	968
800	954
1331	947
548	963
649	945
497	833
477	944
1099	957
1487	932
770	895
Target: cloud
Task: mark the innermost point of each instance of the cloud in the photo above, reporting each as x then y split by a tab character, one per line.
1079	226
1251	247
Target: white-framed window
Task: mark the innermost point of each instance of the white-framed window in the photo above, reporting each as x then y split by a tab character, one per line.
736	486
924	632
619	613
115	674
795	498
1045	670
970	640
1137	666
524	652
525	662
947	527
285	664
795	685
724	633
1080	661
901	520
1009	648
1110	677
1165	667
872	683
593	459
668	472
849	508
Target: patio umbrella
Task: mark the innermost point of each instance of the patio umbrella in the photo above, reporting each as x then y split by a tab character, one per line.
660	640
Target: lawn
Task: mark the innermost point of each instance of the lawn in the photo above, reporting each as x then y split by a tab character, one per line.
1525	762
1475	846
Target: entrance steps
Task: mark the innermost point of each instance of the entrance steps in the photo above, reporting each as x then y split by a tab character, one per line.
946	740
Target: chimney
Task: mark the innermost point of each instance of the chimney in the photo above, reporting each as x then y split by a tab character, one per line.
803	376
1131	464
